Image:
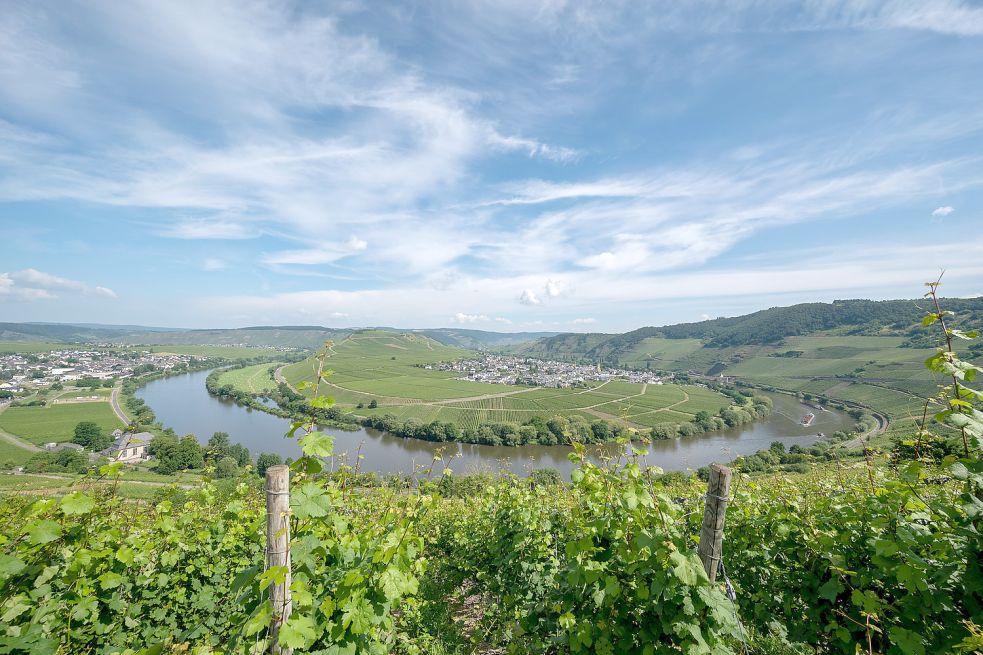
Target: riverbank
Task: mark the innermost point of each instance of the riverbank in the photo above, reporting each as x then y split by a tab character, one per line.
182	403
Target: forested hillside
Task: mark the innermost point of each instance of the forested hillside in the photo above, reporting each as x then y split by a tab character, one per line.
768	326
481	339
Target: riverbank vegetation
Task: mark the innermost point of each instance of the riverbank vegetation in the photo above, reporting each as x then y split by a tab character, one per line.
876	554
401	394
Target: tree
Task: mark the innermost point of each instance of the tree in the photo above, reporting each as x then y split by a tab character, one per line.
239	453
89	435
226	468
265	461
163	449
173	455
373	404
704	420
190	453
219	443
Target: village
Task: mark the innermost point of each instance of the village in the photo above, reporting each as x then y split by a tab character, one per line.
507	369
27	371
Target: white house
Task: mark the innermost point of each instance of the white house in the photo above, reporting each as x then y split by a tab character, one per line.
130	448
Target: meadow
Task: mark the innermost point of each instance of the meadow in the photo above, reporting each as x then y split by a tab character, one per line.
254	379
29	347
56	423
228	352
389	368
874	371
10	452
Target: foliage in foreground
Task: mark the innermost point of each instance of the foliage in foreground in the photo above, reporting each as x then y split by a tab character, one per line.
871	558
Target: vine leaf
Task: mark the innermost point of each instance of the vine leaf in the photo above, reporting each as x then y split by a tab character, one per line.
43	532
317	444
298	632
310	501
77	503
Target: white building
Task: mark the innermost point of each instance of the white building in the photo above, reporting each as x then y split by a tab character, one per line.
129	448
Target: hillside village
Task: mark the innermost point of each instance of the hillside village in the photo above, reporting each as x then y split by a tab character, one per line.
507	369
24	371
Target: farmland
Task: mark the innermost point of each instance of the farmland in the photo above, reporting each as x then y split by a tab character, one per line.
10	452
56	422
880	372
228	352
386	367
254	379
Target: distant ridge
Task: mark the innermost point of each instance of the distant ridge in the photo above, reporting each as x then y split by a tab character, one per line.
767	326
290	336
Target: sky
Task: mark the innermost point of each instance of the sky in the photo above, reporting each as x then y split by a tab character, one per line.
506	165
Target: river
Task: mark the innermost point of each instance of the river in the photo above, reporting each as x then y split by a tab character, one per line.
181	402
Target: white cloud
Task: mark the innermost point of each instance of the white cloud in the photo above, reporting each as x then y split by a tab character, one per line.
356	244
583	321
942	211
213	264
529	297
892	271
555	288
32	284
208	230
468	318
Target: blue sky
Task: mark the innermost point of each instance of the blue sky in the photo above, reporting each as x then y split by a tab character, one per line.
494	165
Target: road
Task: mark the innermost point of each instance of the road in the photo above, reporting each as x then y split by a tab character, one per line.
882	424
114	403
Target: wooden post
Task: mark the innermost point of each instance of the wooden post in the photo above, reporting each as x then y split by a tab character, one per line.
712	533
278	546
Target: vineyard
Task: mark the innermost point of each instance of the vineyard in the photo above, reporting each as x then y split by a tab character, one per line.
390	368
876	554
844	557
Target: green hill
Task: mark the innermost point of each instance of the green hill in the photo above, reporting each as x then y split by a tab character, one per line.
482	339
289	336
895	318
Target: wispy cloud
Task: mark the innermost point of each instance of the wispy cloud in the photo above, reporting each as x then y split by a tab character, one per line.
213	264
509	161
208	230
32	284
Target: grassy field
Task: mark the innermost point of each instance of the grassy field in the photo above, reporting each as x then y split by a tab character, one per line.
229	352
32	482
388	368
872	371
254	379
30	346
60	484
56	423
12	453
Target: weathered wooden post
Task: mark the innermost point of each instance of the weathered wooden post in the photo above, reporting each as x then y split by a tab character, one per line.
712	533
278	546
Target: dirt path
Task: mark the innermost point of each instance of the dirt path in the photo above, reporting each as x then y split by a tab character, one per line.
278	376
621	400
